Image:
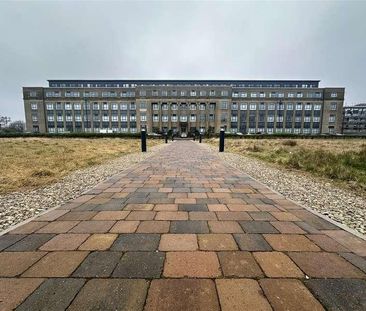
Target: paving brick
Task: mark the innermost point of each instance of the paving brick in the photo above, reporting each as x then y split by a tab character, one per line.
287	227
191	264
111	215
326	243
136	242
216	242
289	295
123	226
166	207
192	207
357	261
111	294
197	195
154	226
98	264
52	215
56	264
14	291
65	242
28	228
58	227
183	294
285	216
241	294
141	215
353	243
313	220
93	226
9	239
242	207
98	242
140	265
189	226
224	227
52	295
171	216
15	263
339	294
138	207
290	242
325	265
233	216
86	215
30	243
178	242
262	216
257	227
277	265
202	216
252	242
308	228
239	264
217	207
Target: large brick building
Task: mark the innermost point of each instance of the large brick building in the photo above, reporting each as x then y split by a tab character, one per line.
184	106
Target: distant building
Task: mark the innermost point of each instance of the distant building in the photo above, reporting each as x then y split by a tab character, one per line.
184	106
354	119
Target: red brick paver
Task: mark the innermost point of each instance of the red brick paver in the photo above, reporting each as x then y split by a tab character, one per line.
181	231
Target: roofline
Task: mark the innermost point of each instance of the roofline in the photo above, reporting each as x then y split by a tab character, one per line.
161	80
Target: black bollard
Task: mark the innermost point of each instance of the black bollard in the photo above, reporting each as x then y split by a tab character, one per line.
194	138
143	140
222	140
172	137
200	138
166	138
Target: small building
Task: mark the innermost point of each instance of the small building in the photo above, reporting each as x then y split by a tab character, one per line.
354	120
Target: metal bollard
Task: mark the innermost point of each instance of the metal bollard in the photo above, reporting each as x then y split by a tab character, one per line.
143	140
194	138
166	138
200	138
222	140
172	137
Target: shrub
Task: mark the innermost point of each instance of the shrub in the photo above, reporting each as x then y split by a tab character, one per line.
289	143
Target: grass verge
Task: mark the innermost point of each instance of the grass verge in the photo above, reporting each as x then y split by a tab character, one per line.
28	163
341	161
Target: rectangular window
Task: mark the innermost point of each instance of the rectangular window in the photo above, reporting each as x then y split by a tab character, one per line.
224	93
105	106
33	94
290	107
243	106
333	95
34	106
262	95
331	118
49	106
308	106
271	106
182	93
299	94
223	105
164	118
243	94
155	93
164	93
298	106
253	94
77	106
123	106
193	93
142	93
68	106
333	106
212	93
202	106
143	117
253	107
34	118
290	95
203	93
114	106
193	118
235	94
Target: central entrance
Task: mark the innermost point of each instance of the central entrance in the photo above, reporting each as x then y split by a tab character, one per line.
183	129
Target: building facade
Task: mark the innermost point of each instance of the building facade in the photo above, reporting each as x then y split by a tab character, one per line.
184	106
354	120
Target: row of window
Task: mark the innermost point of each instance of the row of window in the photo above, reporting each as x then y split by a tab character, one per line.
277	130
184	93
174	106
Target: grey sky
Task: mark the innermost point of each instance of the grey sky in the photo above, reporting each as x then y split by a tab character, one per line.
180	40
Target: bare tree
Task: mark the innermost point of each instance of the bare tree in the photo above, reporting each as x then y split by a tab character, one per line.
17	126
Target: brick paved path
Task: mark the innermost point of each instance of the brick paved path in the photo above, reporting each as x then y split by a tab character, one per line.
181	231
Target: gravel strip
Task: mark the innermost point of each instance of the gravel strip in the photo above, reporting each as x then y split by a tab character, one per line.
16	207
324	197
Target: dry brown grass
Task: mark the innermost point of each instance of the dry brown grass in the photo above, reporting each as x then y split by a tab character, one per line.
27	163
343	161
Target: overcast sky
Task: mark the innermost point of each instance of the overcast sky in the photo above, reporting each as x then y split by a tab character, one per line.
180	40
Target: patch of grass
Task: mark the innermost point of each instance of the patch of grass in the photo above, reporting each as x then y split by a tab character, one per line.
28	163
343	161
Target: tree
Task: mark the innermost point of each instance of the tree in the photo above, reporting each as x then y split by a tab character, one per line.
17	126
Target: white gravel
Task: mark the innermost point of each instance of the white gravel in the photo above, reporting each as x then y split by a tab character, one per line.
16	207
324	197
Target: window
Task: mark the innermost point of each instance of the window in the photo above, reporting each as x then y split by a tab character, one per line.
223	105
68	106
77	106
60	118
90	94
155	107
51	118
123	106
155	93
156	118
174	106
95	106
164	93
49	106
234	106
290	95
243	106
182	93
270	119
53	94
235	94
174	93
281	95
308	106
234	118
33	94
132	118
203	93
193	93
253	94
271	106
142	105
105	106
332	118
298	106
174	118
34	106
142	93
253	107
262	95
333	94
183	118
34	118
68	118
224	93
243	94
290	107
212	93
132	106
143	117
299	94
202	106
123	117
193	118
164	118
114	107
72	94
333	106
